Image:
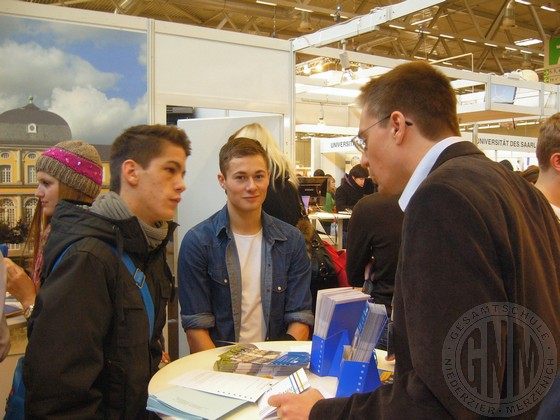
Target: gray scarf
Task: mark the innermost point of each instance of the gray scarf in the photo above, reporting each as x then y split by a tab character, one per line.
111	205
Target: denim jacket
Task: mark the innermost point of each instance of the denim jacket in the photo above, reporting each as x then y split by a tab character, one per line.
210	278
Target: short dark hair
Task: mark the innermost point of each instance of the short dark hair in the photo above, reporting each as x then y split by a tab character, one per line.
548	142
237	148
142	143
358	171
420	92
507	164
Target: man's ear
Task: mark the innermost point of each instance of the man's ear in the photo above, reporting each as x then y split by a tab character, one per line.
555	161
129	172
222	180
397	125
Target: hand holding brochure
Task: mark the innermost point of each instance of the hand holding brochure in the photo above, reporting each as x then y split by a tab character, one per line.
296	383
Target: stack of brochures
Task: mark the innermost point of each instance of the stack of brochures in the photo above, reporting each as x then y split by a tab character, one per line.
251	360
368	332
350	302
201	394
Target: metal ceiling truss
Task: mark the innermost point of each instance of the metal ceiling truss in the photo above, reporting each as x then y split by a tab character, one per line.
443	28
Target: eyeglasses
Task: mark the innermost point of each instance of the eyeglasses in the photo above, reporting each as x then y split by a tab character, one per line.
360	143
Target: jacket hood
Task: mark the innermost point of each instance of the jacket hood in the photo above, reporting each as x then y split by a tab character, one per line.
350	181
74	221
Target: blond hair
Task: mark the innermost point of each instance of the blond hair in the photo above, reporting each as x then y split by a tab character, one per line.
278	164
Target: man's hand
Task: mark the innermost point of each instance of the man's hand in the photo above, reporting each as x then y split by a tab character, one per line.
295	406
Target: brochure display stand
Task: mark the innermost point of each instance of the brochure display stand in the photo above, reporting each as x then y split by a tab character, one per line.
357	377
347	327
326	354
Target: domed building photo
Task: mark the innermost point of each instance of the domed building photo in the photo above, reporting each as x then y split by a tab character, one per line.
25	133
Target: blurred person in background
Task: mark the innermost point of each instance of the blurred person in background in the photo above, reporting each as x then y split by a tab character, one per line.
548	155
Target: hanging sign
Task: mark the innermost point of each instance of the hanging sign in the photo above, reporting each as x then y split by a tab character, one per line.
503	142
552	61
337	145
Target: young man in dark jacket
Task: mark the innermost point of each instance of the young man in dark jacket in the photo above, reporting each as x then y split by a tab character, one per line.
90	353
477	289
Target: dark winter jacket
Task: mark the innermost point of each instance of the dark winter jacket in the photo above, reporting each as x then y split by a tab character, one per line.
348	193
89	353
374	231
283	201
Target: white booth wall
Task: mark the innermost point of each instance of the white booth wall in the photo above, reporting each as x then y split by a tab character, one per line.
206	68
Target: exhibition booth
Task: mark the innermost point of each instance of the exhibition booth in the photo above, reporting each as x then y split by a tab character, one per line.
229	79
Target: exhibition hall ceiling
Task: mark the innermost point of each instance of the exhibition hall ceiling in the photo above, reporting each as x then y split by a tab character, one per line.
496	36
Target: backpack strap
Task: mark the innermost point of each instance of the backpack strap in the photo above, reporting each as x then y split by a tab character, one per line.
60	257
139	280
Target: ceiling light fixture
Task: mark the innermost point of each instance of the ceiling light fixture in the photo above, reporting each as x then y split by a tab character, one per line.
321	116
447	36
268	3
489	44
509	16
472	41
529	75
550	9
396	26
303	10
126	5
528	41
523	2
305	25
336	15
419	22
347	73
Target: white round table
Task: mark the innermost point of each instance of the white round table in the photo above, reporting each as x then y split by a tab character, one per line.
205	360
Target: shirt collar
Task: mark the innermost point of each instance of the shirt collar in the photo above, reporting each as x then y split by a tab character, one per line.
424	167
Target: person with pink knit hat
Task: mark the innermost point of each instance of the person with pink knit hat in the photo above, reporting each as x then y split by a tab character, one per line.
69	170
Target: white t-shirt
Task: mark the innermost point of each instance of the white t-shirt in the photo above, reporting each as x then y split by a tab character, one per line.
249	249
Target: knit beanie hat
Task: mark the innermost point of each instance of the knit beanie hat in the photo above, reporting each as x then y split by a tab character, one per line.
74	163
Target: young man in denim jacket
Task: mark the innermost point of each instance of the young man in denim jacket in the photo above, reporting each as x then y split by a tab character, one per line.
243	275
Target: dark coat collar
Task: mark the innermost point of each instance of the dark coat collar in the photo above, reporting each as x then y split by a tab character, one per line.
462	148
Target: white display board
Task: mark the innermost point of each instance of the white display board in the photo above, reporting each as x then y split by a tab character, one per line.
204	196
